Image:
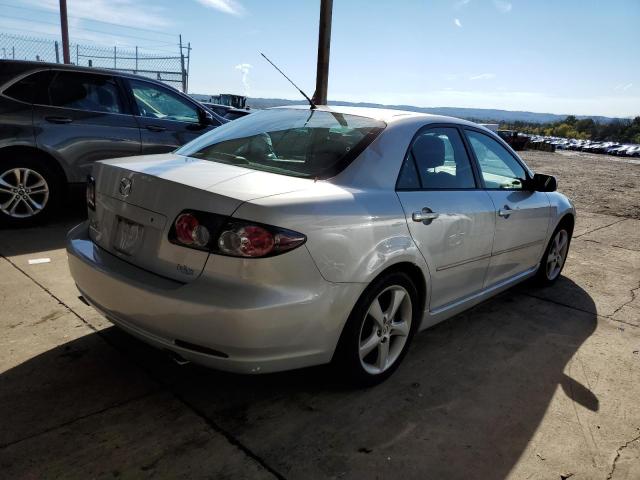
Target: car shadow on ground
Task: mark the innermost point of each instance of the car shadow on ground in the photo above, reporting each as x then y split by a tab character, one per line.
465	403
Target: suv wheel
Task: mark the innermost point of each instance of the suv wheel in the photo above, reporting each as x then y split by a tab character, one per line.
379	330
29	191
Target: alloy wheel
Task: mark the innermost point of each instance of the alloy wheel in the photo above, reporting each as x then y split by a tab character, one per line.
23	192
557	254
385	330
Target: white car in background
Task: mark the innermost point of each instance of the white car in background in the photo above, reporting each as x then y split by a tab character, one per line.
296	237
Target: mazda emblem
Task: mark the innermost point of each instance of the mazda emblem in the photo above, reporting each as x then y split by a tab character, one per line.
125	187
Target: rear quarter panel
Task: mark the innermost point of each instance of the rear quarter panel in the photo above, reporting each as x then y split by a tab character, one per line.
352	235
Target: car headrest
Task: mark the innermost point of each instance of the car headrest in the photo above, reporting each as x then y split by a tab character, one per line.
428	151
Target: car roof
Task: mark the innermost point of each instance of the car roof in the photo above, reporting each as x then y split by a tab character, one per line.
27	65
387	115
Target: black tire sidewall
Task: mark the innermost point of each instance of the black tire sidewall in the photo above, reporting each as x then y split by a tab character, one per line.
53	182
346	359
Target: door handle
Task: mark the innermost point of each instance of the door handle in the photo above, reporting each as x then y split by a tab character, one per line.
505	212
426	216
155	128
58	119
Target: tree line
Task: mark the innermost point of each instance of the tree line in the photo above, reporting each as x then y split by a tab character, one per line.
619	130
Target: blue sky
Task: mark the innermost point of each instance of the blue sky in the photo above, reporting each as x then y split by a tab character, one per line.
580	57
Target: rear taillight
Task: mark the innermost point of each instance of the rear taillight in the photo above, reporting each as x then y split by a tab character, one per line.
232	237
189	231
91	192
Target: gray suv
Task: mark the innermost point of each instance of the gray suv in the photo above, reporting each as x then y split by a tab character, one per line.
56	120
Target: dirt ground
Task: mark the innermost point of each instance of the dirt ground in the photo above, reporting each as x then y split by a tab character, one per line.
536	383
596	183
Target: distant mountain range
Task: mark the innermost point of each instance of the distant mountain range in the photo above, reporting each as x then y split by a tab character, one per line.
488	115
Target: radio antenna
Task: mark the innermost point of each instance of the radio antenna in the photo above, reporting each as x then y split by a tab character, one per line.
311	104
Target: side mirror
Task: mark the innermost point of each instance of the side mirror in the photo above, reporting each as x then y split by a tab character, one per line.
206	118
543	183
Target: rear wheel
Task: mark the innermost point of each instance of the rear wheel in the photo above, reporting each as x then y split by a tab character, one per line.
379	330
29	191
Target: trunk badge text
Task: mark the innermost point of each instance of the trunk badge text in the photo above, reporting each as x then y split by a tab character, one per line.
125	187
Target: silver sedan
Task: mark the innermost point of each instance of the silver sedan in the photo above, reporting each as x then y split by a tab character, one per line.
296	237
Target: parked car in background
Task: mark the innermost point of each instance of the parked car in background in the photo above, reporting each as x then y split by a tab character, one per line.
296	237
514	139
57	120
226	111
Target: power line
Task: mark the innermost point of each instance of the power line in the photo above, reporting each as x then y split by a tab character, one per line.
49	12
146	39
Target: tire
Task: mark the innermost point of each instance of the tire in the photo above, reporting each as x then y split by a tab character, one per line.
545	275
30	191
390	333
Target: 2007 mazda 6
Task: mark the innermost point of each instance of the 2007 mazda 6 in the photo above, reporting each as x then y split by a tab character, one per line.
296	237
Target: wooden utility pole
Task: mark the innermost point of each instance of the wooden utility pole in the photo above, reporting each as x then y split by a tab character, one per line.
324	45
64	26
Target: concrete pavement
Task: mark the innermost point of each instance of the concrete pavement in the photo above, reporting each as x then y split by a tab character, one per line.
537	383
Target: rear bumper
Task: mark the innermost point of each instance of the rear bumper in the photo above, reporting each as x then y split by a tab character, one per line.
244	316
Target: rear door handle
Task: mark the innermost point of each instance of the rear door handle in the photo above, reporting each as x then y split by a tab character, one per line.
505	212
156	128
426	216
58	119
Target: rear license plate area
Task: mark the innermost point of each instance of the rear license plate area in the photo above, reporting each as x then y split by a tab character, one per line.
128	236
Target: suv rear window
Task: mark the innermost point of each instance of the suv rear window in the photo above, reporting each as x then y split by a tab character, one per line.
294	142
32	88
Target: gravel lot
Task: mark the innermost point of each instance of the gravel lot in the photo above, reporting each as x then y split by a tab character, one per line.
596	183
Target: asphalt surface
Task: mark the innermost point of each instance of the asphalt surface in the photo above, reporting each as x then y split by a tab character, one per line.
536	383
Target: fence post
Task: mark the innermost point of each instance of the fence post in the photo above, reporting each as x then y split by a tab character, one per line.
188	62
77	54
57	52
13	53
136	70
114	57
182	71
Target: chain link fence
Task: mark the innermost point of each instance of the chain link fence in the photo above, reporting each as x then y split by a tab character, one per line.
171	69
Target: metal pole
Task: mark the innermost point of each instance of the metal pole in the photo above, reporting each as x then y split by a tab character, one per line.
64	26
57	52
114	57
188	61
324	45
184	80
77	54
136	70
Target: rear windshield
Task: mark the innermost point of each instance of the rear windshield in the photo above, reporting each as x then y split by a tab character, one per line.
301	143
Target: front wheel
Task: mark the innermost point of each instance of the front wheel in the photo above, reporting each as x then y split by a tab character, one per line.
554	256
379	330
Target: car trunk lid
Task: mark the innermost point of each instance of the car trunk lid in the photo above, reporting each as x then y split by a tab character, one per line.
138	199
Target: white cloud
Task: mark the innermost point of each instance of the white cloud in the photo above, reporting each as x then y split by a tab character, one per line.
232	7
244	68
623	86
503	6
457	23
461	3
483	76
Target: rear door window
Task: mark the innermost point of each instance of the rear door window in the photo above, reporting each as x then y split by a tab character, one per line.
85	91
437	160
